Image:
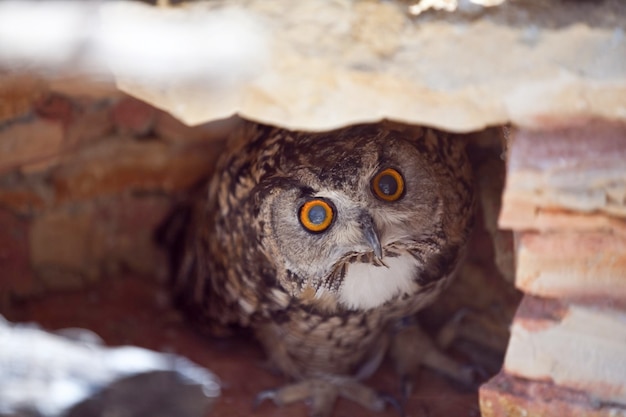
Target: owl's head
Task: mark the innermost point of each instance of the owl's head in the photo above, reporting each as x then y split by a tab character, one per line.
356	215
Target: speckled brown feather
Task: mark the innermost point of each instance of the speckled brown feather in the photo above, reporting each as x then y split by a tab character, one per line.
234	269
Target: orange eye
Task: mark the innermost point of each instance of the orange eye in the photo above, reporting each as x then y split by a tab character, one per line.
388	185
316	215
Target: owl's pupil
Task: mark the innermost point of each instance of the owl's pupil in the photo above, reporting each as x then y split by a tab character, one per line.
388	185
317	215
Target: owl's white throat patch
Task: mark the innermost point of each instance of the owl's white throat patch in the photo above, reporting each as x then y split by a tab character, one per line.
367	286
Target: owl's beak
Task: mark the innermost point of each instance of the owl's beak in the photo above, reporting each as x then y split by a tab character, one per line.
371	237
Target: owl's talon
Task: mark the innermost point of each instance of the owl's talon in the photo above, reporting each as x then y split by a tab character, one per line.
389	399
321	396
413	348
473	376
449	332
406	387
268	394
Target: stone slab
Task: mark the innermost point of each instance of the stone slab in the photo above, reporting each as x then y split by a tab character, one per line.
508	396
581	266
321	64
578	168
574	346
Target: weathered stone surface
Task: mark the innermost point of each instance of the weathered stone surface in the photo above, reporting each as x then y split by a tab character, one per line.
508	396
585	265
522	214
575	346
574	168
321	64
29	142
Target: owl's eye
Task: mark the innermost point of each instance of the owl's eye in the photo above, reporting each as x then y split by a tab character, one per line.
316	215
388	185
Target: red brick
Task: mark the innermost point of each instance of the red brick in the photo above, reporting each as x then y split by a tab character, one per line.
173	130
117	164
101	87
125	226
18	94
92	122
29	142
83	121
78	243
55	107
20	198
63	248
133	117
508	396
15	273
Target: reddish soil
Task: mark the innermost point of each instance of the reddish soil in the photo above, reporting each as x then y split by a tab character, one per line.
132	310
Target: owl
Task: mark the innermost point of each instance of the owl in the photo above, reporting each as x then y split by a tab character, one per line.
323	244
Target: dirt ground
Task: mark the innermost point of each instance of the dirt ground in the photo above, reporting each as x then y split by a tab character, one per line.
132	310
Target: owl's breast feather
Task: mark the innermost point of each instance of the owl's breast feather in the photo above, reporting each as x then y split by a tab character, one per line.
366	286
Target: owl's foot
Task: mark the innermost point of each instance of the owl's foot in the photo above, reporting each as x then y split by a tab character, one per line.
322	395
412	348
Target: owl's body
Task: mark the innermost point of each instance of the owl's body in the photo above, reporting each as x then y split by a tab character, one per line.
322	242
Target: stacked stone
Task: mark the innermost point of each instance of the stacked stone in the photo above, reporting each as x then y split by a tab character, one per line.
565	198
86	175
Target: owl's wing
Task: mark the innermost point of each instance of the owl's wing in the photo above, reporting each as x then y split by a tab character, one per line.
222	276
200	273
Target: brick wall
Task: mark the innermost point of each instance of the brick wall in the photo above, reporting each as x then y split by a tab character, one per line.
85	177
